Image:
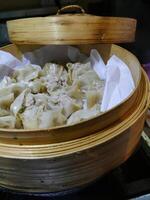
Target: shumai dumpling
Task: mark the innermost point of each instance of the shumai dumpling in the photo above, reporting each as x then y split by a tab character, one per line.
17	105
15	88
7	122
30	117
69	105
77	69
4	112
27	73
6	81
51	69
41	99
37	86
29	100
83	114
93	97
87	79
51	118
75	91
6	100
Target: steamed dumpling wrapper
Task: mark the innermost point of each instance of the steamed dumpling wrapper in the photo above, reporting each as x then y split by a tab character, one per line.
29	100
36	99
83	114
17	105
74	91
7	122
41	99
5	101
51	118
51	69
93	97
53	72
52	96
4	112
36	117
15	88
78	69
54	82
69	105
30	117
85	76
6	81
27	73
87	79
37	86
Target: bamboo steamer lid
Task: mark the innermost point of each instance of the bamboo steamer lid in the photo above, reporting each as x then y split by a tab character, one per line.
71	29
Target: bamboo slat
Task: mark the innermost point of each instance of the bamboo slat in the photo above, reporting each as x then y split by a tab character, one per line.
72	29
33	161
62	166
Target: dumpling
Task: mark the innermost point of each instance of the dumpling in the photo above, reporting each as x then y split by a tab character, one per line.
69	105
77	69
5	91
60	119
6	81
7	122
75	91
86	80
37	86
17	105
15	88
27	73
4	112
30	117
51	69
81	115
50	119
47	119
93	97
53	85
63	78
6	100
41	99
29	100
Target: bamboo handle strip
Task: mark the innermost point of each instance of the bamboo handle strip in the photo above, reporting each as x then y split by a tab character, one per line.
70	7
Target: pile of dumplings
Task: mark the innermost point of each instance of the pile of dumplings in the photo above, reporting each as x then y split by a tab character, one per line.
55	95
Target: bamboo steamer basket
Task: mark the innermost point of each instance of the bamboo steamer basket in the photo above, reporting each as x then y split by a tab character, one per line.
66	133
66	165
72	156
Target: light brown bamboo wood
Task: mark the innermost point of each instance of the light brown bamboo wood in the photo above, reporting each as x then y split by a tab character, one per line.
72	29
31	161
57	167
66	133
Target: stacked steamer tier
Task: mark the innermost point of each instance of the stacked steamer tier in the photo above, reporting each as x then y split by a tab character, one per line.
64	158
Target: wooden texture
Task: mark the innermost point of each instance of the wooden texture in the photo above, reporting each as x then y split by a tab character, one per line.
37	166
72	29
70	7
57	167
66	133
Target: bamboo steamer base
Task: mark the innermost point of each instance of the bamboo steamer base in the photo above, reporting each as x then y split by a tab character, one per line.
66	165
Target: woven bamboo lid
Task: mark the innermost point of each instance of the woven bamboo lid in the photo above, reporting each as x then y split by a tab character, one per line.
71	29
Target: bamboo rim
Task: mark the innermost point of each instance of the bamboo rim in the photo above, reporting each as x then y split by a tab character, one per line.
74	146
67	126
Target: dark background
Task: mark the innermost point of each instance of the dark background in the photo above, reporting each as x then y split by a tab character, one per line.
139	9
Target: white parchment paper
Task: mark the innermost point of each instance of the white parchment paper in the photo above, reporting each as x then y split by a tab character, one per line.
118	79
